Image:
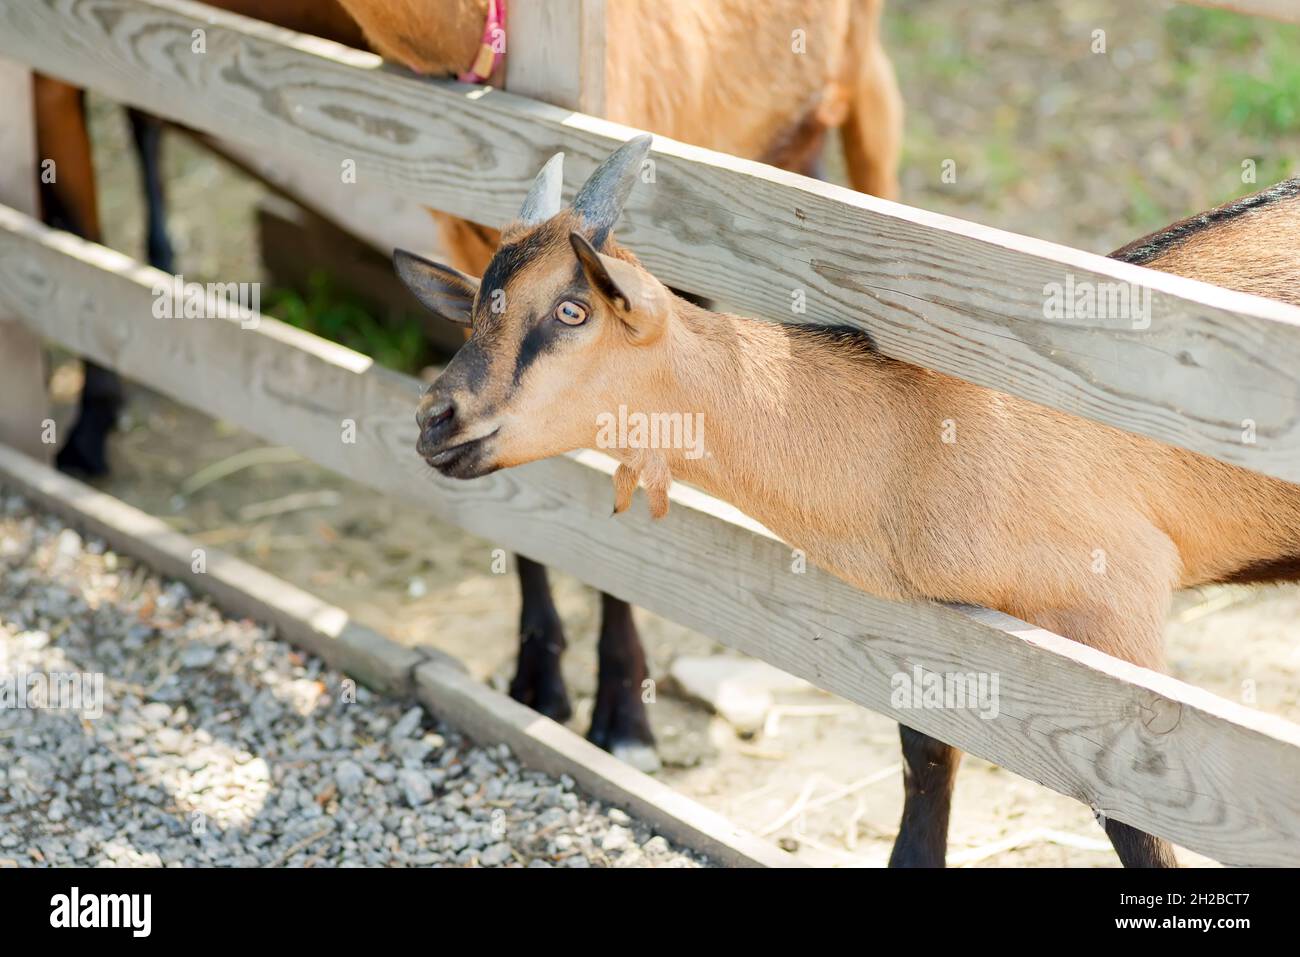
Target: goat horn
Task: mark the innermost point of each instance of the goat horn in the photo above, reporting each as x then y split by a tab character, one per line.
600	201
543	199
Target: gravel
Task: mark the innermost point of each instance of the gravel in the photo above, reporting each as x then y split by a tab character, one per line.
220	745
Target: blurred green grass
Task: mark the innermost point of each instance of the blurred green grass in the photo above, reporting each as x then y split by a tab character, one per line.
1265	98
1053	140
397	341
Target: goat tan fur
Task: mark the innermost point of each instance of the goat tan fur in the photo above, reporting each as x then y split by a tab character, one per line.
1069	524
763	79
904	482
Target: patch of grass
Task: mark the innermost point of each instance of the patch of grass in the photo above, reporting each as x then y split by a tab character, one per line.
1002	165
1194	27
1145	213
1275	169
933	40
1264	99
398	343
1269	104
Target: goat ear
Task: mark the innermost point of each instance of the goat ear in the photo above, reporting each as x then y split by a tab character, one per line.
638	299
446	292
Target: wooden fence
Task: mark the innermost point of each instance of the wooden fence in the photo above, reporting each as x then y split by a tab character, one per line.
964	299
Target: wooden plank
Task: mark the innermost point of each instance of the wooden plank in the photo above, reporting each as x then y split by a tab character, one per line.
377	216
557	53
950	295
18	172
24	402
540	743
442	683
1141	747
1288	10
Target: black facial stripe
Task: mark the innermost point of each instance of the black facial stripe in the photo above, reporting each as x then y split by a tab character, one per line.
473	365
546	332
539	340
508	261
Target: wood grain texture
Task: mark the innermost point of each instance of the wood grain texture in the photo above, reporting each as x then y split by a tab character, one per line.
24	403
374	215
557	53
18	169
1206	773
954	296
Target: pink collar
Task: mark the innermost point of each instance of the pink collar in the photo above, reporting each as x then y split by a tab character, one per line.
492	48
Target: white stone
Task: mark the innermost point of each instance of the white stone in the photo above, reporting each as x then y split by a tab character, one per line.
740	690
616	839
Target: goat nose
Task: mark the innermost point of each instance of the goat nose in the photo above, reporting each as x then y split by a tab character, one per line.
434	411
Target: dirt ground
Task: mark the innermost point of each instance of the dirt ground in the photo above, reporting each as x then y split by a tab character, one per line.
1048	139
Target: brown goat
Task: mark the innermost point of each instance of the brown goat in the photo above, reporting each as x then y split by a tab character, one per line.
791	412
764	79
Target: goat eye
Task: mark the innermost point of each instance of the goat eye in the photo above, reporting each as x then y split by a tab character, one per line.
570	313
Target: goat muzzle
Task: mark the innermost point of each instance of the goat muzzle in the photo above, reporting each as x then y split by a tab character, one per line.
436	417
442	443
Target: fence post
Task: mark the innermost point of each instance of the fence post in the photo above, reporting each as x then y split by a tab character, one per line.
24	403
557	53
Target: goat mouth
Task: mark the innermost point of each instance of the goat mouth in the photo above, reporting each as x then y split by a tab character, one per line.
462	460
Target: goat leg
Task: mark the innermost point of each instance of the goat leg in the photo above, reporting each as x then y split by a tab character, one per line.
538	681
1137	848
929	770
147	131
619	722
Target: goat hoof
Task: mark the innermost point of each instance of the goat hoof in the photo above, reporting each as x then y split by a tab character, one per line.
619	726
162	255
643	757
84	455
546	697
549	699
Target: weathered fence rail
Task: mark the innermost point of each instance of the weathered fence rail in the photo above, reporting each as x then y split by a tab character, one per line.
1144	748
950	295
